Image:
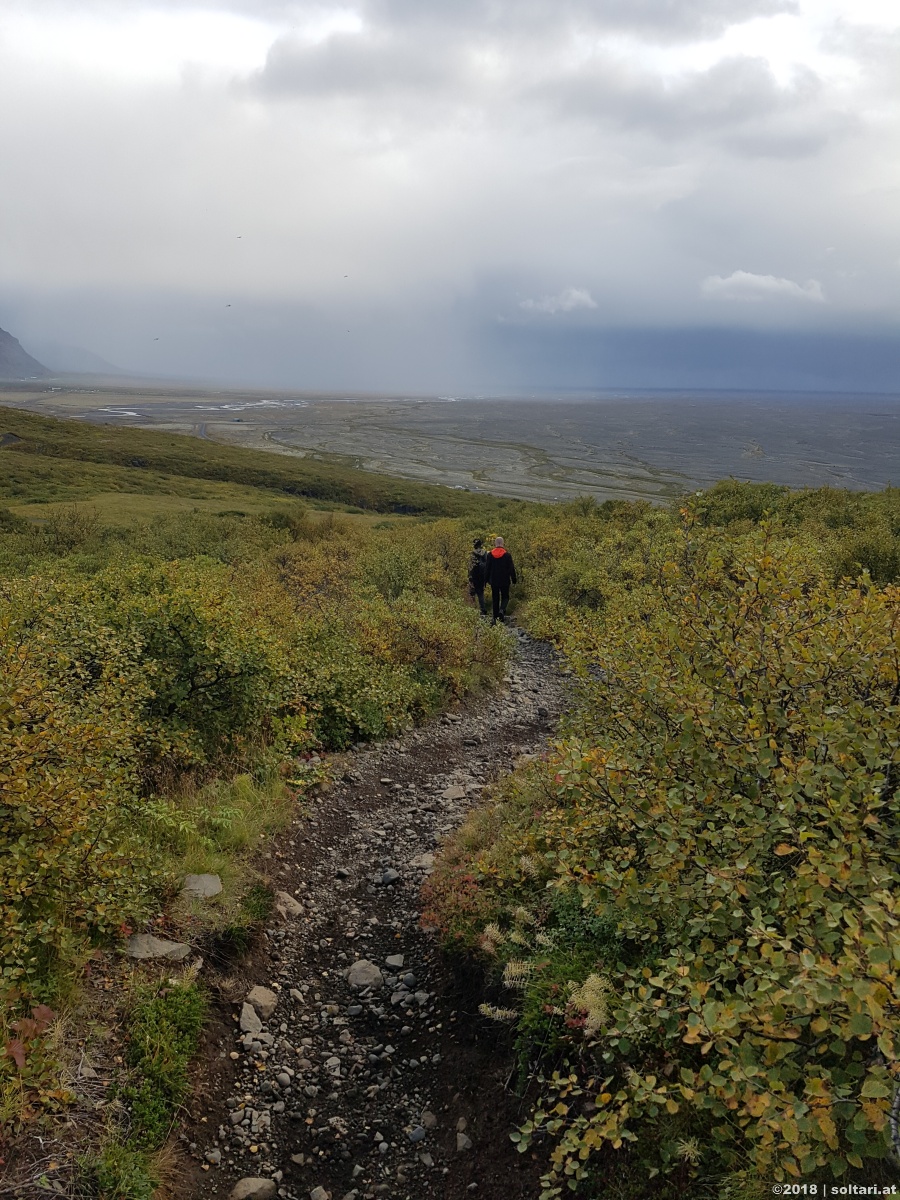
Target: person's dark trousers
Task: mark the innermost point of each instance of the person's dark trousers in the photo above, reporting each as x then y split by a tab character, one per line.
478	593
499	600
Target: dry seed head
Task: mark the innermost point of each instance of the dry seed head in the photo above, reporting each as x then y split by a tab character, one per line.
522	916
529	864
497	1014
592	998
689	1150
517	972
491	938
191	973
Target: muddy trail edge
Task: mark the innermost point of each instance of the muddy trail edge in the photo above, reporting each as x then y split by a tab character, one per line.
360	1065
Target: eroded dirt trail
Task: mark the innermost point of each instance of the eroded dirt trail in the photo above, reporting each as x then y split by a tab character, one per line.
387	1082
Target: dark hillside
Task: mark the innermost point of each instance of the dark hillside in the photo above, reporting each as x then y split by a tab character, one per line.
16	363
143	454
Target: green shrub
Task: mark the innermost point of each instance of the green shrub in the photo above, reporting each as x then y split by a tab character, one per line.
118	1172
71	866
127	678
730	501
723	811
876	553
163	1027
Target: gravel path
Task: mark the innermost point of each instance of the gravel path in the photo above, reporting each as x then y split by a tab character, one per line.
362	1068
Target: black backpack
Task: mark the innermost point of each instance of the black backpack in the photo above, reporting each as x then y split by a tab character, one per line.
477	568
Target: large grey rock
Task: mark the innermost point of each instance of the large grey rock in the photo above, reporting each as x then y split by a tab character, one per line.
454	792
145	945
364	974
286	906
201	886
250	1022
319	1193
423	862
264	1000
254	1189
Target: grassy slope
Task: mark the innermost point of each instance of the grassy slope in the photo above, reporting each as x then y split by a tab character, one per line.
61	460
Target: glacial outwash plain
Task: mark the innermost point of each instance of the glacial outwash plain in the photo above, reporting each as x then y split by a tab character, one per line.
634	445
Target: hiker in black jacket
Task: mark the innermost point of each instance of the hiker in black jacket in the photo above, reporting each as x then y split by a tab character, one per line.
500	572
477	563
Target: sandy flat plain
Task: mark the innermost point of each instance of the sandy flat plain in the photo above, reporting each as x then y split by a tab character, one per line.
652	445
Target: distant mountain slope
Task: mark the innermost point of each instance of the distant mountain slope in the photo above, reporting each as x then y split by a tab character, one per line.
16	363
65	359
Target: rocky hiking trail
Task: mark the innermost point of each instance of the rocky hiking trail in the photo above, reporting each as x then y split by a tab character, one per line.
345	1059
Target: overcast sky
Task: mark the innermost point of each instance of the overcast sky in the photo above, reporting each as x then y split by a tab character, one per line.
456	195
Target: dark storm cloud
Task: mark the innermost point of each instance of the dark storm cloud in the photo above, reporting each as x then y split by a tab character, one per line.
738	101
693	358
498	57
353	63
660	20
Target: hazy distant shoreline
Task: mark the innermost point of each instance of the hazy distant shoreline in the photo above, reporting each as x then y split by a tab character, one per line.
650	444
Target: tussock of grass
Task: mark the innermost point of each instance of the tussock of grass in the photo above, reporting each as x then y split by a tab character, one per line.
219	827
221	820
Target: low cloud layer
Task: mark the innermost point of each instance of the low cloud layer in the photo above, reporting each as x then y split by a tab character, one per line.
756	289
401	186
570	299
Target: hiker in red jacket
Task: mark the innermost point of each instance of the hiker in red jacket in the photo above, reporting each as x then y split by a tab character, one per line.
499	572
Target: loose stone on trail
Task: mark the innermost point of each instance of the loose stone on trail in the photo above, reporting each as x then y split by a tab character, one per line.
364	974
422	862
250	1022
145	945
254	1189
201	887
264	1000
286	906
